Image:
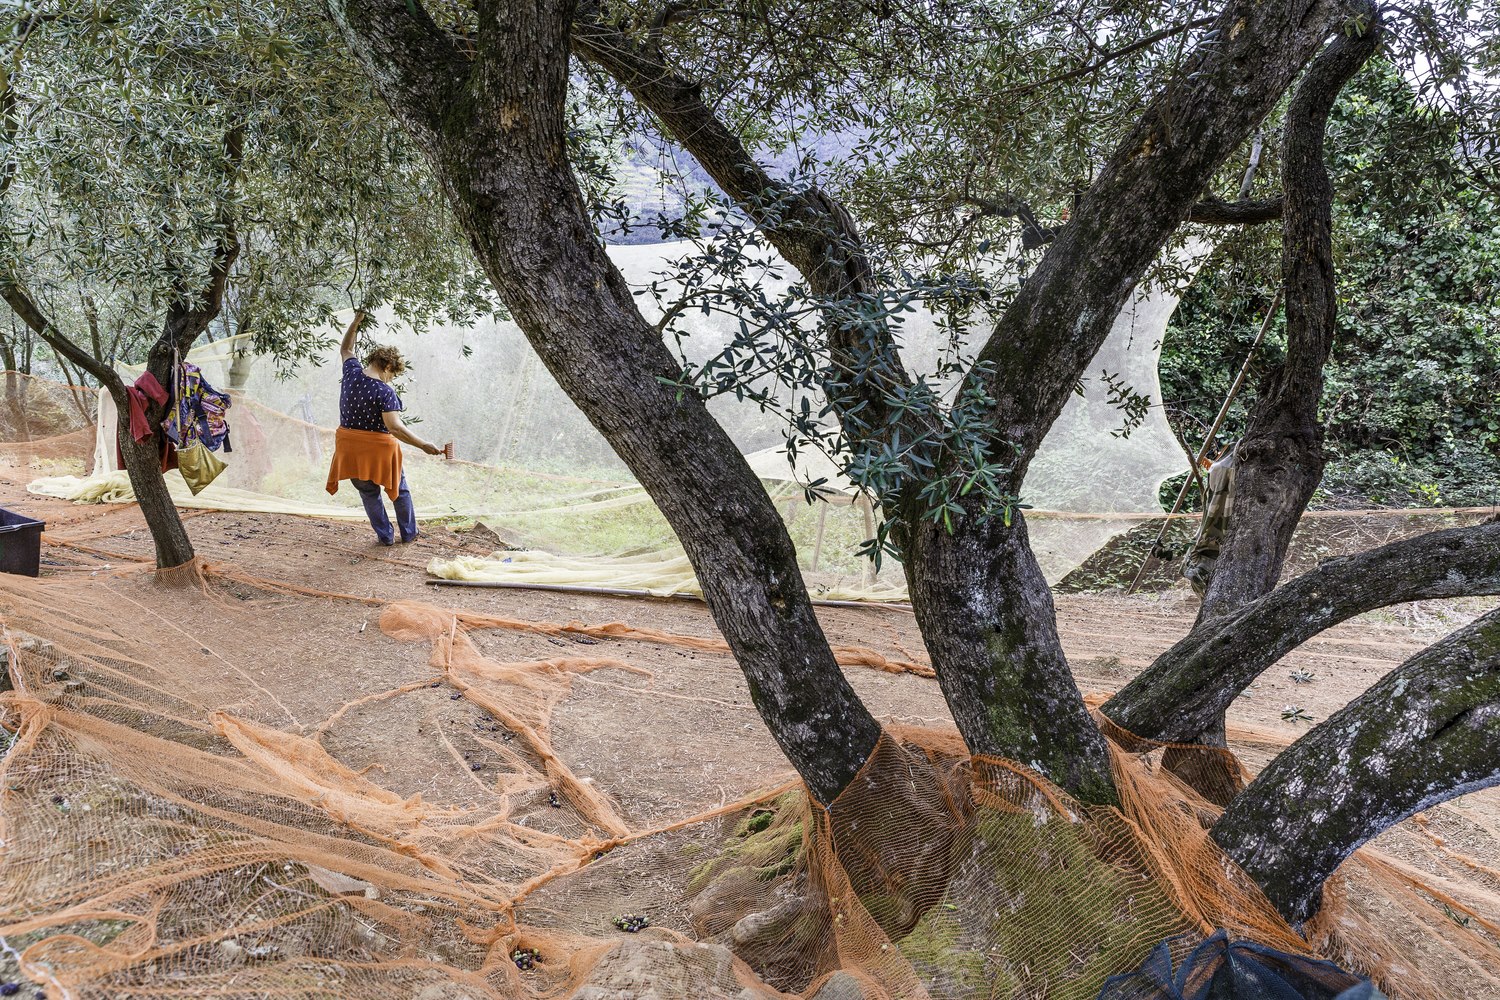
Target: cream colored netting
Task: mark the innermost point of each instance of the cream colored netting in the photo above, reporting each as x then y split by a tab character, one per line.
535	471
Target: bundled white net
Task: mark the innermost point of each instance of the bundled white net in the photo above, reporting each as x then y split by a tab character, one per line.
531	467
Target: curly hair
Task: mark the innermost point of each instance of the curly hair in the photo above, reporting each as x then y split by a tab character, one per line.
388	359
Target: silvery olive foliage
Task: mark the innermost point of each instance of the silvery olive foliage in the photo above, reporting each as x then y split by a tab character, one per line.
122	179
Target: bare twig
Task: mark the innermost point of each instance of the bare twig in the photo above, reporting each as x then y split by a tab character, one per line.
1111	56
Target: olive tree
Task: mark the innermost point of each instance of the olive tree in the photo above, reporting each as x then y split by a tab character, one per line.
169	167
483	90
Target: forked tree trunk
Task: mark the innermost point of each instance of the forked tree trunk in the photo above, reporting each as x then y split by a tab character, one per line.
185	320
187	317
979	595
494	133
1427	732
142	459
1040	348
981	600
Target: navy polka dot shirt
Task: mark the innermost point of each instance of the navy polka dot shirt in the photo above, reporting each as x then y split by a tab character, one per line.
363	400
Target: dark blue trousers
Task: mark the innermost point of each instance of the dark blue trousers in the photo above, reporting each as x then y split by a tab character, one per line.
406	514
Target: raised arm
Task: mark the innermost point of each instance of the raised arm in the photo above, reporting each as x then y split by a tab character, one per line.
397	427
346	348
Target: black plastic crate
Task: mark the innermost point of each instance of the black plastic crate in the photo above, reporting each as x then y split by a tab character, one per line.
20	543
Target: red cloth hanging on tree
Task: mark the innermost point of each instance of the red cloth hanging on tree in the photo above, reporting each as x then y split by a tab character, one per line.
144	390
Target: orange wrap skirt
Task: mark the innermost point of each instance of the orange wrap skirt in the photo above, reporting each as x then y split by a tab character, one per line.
370	455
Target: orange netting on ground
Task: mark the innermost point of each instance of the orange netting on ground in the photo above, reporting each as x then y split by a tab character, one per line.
239	787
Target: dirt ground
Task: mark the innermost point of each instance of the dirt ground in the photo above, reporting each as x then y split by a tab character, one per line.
667	740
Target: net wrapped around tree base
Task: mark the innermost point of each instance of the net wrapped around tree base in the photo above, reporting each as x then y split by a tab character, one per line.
180	819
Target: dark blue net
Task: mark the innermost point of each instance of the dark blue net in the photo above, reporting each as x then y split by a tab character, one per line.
1220	969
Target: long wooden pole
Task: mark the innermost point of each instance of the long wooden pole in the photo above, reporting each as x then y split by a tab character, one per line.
1234	390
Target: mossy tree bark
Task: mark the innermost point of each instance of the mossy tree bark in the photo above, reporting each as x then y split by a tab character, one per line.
987	617
1427	732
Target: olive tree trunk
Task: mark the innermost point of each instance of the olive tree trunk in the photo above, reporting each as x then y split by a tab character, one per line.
141	458
1190	686
1427	732
492	127
1280	459
15	401
186	320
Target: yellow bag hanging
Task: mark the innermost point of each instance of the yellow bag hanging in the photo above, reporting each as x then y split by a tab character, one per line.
198	466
